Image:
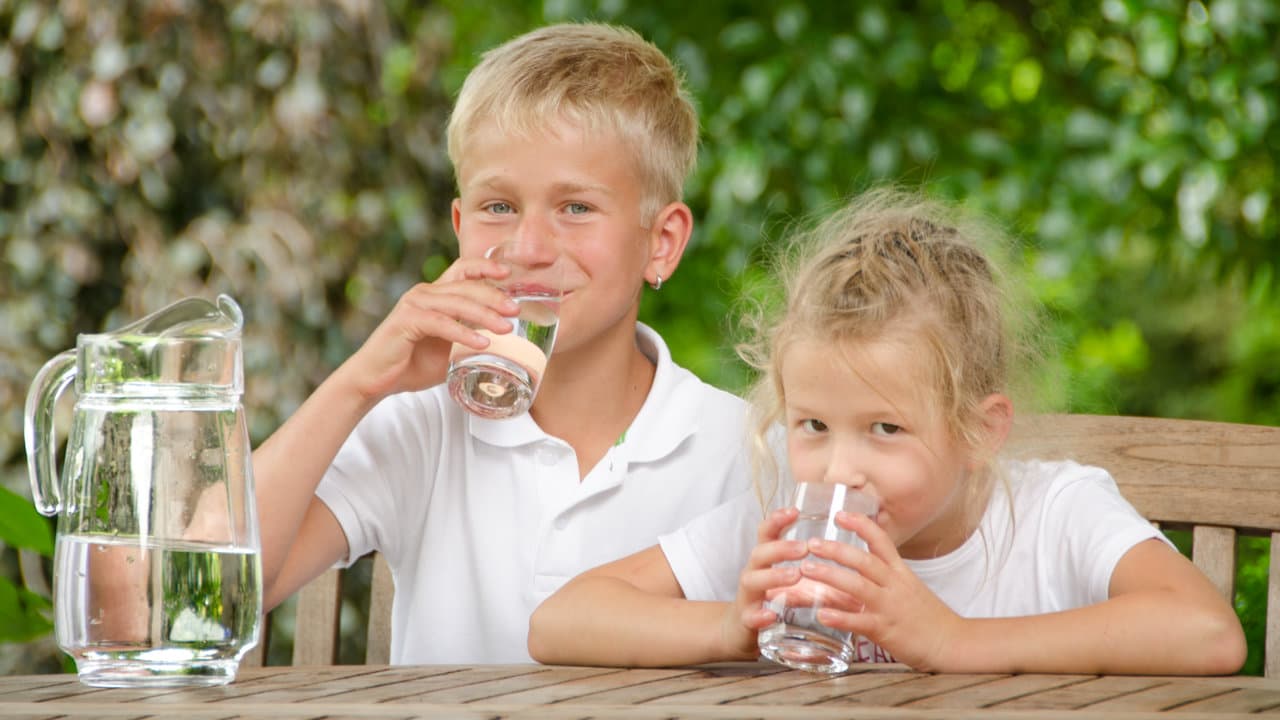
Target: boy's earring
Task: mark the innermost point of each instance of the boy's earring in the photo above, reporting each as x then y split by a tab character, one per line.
656	284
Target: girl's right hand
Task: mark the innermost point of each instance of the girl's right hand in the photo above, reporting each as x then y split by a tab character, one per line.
747	614
409	350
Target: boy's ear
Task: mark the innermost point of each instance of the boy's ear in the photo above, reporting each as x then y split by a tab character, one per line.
455	209
668	237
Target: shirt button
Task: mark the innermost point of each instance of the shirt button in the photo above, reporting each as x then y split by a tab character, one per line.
562	522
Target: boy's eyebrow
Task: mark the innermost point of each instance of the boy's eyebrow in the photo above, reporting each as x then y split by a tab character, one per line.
575	187
497	181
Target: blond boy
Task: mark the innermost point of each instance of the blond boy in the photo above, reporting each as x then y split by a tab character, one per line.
573	138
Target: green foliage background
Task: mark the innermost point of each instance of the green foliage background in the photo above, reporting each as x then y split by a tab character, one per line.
291	154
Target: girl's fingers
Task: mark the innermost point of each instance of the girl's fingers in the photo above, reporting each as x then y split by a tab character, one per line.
848	588
771	553
774	523
758	617
878	541
759	583
875	562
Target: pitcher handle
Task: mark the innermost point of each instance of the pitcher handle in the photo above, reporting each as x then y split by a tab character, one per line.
37	429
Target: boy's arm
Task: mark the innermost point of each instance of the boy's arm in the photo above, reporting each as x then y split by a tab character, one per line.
409	350
300	536
630	612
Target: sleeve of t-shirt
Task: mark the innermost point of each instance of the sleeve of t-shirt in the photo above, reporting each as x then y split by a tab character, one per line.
708	554
1099	526
364	486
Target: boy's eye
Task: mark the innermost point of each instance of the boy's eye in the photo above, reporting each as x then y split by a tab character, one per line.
577	208
499	208
813	425
883	428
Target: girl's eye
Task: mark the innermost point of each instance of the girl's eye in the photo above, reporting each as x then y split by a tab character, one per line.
499	208
814	426
577	208
883	428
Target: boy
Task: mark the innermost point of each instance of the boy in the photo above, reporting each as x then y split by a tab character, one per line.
576	138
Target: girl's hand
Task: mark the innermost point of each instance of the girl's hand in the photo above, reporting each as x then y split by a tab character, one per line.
899	612
409	350
746	615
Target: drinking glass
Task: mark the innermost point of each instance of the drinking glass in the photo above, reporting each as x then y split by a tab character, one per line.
501	380
797	639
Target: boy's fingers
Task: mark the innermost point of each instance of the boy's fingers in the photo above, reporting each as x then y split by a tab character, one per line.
473	269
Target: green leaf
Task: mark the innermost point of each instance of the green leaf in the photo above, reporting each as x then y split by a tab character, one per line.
24	615
21	526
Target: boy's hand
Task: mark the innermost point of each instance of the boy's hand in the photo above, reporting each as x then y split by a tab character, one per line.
746	615
899	612
409	350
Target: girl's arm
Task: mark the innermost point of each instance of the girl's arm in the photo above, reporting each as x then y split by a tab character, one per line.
632	612
1163	616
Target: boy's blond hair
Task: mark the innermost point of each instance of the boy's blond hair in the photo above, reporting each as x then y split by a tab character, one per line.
598	77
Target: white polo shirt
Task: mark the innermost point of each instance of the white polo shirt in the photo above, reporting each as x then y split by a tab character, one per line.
480	520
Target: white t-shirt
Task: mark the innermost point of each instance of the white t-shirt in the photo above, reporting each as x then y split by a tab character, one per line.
1052	548
480	520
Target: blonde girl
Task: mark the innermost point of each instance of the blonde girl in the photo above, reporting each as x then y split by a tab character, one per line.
890	370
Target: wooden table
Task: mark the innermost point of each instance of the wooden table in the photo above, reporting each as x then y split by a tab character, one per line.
718	691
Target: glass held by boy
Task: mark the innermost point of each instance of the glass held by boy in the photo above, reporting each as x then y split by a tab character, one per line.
570	142
892	370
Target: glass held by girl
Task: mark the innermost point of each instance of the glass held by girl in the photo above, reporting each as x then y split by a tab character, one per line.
891	368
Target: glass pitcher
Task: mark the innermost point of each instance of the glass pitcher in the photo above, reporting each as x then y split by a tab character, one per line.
157	576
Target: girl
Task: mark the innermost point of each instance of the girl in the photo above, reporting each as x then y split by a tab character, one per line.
890	370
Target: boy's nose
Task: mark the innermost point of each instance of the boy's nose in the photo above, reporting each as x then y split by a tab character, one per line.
534	243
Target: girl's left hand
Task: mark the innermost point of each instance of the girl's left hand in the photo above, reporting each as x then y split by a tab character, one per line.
900	613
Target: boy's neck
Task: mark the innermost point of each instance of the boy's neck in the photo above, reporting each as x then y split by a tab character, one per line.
591	395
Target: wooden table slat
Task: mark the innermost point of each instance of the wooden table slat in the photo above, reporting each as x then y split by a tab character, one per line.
999	691
916	689
720	692
1082	694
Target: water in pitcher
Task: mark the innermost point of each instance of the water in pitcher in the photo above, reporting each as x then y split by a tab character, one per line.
158	614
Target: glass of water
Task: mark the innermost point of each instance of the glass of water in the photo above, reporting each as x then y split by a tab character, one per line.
797	639
501	380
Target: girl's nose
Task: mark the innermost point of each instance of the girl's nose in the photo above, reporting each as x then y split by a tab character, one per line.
842	468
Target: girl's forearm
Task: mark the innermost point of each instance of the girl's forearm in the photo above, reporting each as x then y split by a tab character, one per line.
1156	632
631	628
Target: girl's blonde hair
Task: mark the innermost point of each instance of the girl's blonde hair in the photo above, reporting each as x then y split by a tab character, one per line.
896	265
602	79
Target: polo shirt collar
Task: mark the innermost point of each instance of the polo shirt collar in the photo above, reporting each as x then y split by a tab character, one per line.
667	418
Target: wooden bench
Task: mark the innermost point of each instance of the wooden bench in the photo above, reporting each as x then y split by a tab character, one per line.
318	610
1217	480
